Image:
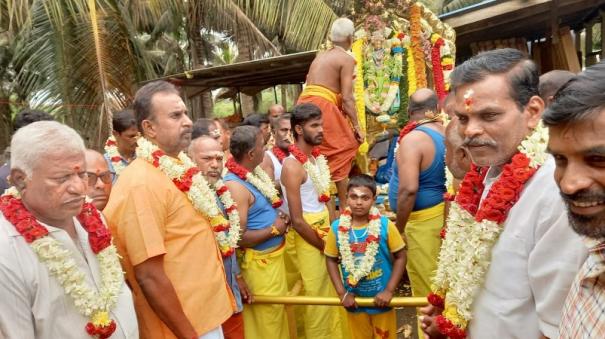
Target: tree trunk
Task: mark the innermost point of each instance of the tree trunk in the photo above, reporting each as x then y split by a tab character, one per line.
5	125
203	105
245	54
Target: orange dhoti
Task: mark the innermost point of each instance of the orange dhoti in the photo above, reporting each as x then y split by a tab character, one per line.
339	144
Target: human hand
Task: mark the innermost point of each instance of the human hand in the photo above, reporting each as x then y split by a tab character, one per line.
428	323
281	225
383	298
349	300
359	135
244	290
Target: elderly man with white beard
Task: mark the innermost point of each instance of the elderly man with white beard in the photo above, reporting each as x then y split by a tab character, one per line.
60	275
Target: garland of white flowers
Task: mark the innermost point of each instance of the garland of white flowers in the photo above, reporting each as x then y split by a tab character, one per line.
111	148
366	263
466	250
201	196
319	174
227	240
60	263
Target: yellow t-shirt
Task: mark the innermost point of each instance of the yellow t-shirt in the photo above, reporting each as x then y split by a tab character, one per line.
149	216
394	240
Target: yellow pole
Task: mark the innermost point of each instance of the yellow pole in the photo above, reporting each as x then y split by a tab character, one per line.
334	301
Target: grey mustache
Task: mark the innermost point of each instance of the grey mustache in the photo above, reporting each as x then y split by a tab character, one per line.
475	142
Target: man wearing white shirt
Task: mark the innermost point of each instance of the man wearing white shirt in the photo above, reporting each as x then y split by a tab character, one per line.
70	243
536	255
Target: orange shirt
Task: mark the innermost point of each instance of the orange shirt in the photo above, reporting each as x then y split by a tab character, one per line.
150	216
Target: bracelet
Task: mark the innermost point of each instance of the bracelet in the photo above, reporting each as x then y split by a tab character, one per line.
344	296
274	231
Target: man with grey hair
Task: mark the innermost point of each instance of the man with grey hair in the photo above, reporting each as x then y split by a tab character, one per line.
330	87
50	257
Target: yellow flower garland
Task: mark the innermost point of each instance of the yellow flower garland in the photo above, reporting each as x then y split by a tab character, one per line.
417	51
411	70
358	91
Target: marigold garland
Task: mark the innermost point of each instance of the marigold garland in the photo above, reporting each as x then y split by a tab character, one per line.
417	46
188	179
318	172
111	148
257	178
357	49
412	82
358	266
93	304
437	68
473	229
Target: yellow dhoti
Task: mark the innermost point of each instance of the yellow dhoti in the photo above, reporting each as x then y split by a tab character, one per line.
320	321
373	326
265	274
423	242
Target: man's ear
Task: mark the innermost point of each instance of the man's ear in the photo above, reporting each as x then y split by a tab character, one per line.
148	129
534	109
18	178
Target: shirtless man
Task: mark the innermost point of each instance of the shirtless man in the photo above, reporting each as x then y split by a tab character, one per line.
330	87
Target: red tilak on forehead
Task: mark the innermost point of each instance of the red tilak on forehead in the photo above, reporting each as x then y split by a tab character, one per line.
76	168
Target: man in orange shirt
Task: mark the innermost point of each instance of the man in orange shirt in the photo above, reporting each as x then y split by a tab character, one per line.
169	252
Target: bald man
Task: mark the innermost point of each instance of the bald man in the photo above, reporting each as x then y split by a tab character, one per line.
417	186
206	151
275	111
99	178
550	83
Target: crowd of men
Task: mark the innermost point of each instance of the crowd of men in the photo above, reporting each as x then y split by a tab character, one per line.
201	217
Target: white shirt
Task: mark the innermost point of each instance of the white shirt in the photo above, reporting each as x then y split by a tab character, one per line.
308	194
277	166
34	305
533	265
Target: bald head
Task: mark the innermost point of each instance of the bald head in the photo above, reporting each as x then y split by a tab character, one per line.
207	153
96	166
422	101
550	83
275	111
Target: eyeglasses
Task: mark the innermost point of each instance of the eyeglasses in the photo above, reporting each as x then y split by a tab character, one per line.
106	177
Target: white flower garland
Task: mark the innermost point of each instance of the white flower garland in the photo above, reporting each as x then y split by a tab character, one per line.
228	240
201	196
319	174
366	263
111	149
467	247
93	304
259	179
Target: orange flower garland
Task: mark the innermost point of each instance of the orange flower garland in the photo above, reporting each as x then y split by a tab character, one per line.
437	67
416	32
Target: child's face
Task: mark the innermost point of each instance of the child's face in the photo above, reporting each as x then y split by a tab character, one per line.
360	200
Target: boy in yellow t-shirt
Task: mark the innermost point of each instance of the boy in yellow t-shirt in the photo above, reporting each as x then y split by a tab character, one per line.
372	261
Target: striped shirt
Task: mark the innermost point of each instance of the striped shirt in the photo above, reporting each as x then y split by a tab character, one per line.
584	311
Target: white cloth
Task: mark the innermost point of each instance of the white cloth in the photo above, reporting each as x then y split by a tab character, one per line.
277	166
308	194
34	305
216	333
533	265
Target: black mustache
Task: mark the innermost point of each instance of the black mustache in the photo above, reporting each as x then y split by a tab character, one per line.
583	196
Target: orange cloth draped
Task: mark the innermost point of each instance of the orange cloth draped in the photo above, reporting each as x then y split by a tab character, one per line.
339	144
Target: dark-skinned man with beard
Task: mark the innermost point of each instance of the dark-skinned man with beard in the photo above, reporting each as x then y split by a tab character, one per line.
576	121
